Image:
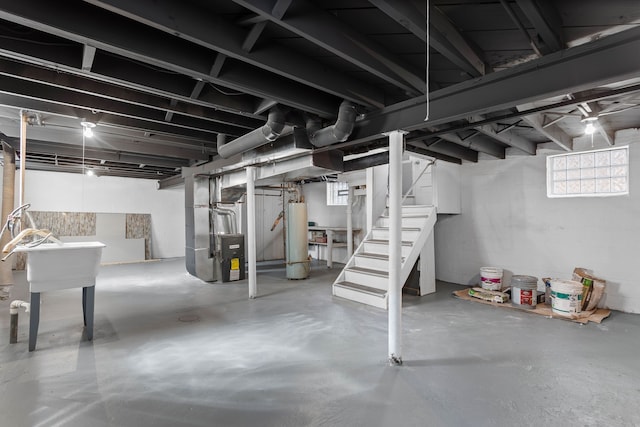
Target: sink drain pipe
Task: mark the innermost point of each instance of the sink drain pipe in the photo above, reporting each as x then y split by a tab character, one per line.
13	309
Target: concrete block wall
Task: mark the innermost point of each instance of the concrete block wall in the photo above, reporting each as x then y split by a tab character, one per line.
507	221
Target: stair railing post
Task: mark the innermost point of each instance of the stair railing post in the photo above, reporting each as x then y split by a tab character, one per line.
396	146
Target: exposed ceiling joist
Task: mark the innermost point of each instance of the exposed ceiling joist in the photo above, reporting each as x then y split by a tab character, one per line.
167	52
444	37
66	150
325	30
418	148
604	130
88	54
215	33
572	70
477	144
546	22
102	140
447	40
553	132
439	145
505	137
173	181
92	104
86	86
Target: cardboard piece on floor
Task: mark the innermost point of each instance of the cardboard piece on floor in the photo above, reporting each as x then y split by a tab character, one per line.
596	316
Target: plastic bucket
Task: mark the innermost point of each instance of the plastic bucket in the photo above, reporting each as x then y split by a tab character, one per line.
491	278
524	291
566	297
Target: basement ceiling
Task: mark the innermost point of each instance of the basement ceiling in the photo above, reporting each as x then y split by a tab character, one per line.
162	78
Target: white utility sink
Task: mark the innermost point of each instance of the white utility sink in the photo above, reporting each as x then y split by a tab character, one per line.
54	266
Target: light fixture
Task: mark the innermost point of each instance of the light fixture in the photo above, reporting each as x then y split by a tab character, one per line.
88	128
90	172
589	128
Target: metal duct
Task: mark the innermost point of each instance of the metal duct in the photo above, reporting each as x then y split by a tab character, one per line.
257	137
338	132
366	162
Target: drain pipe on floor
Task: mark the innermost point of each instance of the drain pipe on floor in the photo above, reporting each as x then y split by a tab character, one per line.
13	310
254	139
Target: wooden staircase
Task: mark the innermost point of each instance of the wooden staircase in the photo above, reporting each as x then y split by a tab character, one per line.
365	276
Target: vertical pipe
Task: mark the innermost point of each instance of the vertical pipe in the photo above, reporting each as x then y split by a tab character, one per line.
349	223
13	329
8	197
251	230
396	141
23	154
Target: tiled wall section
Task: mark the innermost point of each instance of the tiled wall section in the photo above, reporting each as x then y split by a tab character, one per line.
138	226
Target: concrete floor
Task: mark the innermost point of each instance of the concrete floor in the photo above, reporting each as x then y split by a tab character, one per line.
170	350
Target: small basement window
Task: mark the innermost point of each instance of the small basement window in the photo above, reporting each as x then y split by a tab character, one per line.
337	193
589	173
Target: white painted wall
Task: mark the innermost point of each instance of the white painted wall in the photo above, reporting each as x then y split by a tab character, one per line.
315	194
507	221
54	191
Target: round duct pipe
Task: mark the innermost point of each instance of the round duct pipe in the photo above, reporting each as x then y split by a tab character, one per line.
254	139
338	132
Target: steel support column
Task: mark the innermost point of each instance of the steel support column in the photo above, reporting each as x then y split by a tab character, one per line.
251	231
396	143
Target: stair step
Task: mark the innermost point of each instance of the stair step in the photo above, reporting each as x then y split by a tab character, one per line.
413	210
361	294
403	228
362	288
408	215
406	221
381	257
369	271
407	233
386	242
381	247
366	276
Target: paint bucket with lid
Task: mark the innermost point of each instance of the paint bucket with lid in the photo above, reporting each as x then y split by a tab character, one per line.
566	297
524	291
491	278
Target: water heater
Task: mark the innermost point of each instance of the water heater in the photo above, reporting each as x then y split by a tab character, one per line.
297	248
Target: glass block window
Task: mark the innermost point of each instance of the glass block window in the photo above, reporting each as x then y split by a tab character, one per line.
337	193
589	173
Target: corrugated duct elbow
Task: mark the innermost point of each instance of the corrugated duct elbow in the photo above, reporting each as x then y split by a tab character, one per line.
254	139
338	132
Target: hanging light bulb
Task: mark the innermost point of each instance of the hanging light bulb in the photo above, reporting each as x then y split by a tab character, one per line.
88	128
589	129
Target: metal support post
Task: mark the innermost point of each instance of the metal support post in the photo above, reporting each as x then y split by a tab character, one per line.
396	142
251	231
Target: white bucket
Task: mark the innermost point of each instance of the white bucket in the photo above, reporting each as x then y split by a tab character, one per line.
524	291
491	278
566	297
